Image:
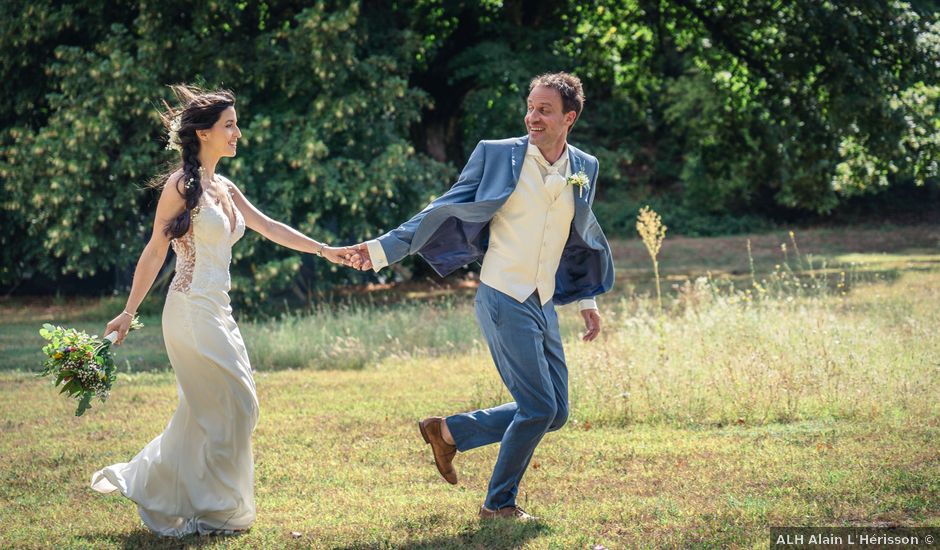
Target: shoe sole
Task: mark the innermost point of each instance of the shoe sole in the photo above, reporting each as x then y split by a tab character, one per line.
424	434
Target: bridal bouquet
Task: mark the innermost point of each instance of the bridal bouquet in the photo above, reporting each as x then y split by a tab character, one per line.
83	363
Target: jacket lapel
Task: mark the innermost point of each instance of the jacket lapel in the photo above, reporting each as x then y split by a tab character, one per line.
518	157
580	197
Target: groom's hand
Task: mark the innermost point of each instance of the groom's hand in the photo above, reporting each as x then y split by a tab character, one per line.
592	322
363	251
343	255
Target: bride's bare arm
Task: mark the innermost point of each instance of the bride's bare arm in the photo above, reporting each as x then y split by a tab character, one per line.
170	206
286	235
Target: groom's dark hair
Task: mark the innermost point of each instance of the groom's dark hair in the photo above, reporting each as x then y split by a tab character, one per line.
569	86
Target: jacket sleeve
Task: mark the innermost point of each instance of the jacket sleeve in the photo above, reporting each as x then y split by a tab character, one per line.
591	303
593	191
397	243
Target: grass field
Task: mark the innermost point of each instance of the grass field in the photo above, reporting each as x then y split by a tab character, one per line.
800	391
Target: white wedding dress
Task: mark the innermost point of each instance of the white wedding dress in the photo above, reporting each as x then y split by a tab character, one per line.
197	477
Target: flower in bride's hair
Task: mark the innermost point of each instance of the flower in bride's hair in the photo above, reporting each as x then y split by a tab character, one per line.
173	137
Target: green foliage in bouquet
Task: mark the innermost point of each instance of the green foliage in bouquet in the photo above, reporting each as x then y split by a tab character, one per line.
82	363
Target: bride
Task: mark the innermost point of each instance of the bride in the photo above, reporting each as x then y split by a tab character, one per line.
198	475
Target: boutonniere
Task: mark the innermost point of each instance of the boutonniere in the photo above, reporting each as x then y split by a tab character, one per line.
581	180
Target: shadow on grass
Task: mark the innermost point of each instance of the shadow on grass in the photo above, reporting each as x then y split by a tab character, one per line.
489	534
858	280
145	539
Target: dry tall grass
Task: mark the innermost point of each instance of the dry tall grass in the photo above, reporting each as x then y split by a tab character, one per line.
803	342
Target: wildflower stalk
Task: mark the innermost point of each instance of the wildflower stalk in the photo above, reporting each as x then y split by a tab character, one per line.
651	229
750	262
796	250
806	266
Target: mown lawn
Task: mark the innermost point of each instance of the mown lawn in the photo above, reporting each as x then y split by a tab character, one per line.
791	396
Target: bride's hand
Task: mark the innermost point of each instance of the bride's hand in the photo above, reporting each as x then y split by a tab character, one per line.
120	324
343	255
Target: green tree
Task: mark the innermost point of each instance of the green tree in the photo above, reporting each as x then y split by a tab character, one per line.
326	107
793	104
356	114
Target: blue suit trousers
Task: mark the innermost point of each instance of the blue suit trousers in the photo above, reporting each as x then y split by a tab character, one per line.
525	343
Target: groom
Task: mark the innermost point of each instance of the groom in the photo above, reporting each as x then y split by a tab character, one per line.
523	206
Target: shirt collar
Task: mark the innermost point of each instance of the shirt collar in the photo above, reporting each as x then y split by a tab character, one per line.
534	151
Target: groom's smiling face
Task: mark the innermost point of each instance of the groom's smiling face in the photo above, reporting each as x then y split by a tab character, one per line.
546	123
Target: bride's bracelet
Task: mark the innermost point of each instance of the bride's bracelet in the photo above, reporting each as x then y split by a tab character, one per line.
129	314
320	251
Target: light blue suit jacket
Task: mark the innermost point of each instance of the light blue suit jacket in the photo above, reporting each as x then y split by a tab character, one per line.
453	231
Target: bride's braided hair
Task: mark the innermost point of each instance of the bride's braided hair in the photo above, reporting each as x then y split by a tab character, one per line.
199	110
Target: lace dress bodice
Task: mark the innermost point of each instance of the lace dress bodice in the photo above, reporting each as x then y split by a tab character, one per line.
203	254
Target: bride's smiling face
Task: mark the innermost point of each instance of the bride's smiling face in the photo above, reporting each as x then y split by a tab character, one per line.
222	138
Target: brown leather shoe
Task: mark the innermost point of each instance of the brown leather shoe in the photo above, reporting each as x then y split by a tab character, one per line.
444	452
509	512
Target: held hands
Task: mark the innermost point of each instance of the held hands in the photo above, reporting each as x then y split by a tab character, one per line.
592	322
343	255
356	256
363	250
